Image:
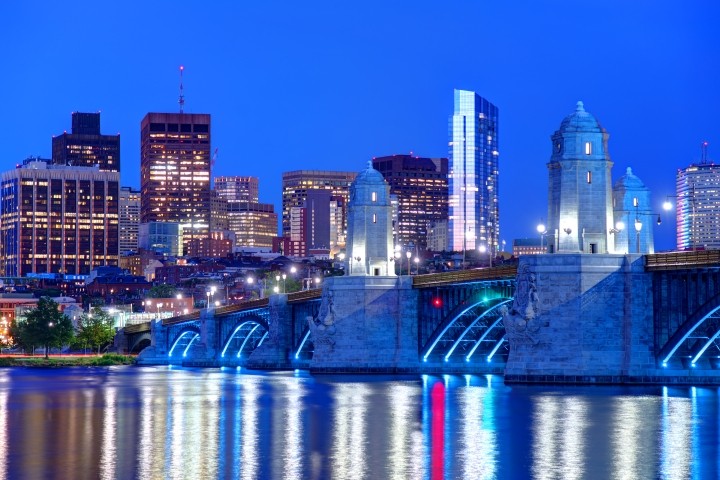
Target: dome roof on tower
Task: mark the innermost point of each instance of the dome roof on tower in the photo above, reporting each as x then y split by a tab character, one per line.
580	121
369	176
629	181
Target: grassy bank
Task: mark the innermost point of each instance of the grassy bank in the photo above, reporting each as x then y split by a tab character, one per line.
67	361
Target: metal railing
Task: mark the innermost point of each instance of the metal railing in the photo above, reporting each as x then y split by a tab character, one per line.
503	272
137	328
682	260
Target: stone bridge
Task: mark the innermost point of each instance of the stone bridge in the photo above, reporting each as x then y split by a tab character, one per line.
579	318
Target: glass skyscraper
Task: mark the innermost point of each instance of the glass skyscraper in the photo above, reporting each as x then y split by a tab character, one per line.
473	175
698	220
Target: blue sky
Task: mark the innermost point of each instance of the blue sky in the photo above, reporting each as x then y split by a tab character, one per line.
328	85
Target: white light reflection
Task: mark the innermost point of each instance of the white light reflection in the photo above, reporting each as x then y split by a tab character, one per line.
249	461
633	437
558	438
3	432
478	454
349	435
109	440
288	397
675	457
405	458
151	456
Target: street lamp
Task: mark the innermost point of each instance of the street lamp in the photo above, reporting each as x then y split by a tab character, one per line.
417	265
638	227
284	276
483	249
542	230
408	254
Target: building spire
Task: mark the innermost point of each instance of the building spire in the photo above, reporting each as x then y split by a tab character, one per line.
181	99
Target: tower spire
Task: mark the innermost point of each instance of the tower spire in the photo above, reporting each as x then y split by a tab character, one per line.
181	99
703	152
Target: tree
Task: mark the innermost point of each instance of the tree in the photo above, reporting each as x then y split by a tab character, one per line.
45	326
162	290
95	329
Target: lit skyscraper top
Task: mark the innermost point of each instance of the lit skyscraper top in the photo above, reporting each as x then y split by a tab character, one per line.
473	175
698	207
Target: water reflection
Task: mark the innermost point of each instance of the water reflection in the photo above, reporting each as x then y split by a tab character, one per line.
176	423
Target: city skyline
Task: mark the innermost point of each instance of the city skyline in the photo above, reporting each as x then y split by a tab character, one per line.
647	72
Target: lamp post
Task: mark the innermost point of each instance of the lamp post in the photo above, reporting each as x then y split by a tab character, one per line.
408	254
284	276
483	249
542	230
417	265
619	227
638	227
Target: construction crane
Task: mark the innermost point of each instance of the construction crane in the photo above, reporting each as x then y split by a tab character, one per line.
214	157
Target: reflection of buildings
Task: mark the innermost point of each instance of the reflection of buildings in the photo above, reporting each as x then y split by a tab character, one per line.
58	219
698	207
421	187
473	176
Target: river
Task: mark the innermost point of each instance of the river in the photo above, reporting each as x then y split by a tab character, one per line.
160	422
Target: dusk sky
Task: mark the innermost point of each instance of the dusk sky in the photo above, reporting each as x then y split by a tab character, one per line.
328	85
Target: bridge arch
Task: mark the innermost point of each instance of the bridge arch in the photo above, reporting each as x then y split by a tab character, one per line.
183	341
140	342
469	331
247	334
698	334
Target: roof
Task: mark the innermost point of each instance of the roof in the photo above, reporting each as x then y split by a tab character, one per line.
580	121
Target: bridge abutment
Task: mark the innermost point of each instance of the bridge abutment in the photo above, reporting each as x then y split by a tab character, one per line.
580	317
274	352
366	324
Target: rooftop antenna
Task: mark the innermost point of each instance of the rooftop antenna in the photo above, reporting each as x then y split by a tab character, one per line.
181	100
703	149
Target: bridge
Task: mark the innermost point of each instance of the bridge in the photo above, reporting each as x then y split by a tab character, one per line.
672	301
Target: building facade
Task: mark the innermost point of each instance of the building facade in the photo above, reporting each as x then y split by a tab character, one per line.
175	171
238	188
296	184
473	174
58	219
254	224
421	187
86	146
580	211
528	246
698	207
129	219
165	238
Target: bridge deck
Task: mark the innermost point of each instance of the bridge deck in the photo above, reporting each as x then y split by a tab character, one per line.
682	260
502	272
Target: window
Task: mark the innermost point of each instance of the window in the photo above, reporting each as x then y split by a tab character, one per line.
374	218
635	202
374	196
588	148
589	176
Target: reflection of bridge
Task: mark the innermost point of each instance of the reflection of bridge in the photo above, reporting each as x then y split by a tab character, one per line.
460	326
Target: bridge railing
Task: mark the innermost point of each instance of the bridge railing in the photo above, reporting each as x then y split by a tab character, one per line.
502	272
682	260
137	328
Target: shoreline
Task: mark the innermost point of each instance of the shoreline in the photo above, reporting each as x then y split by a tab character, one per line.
39	361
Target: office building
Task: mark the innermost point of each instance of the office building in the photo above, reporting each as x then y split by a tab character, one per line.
437	236
129	219
218	212
58	219
421	188
473	176
528	246
296	184
175	171
86	146
238	189
165	238
254	224
698	207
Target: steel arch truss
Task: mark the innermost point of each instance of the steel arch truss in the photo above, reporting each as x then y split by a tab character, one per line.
183	341
248	334
474	332
305	348
699	336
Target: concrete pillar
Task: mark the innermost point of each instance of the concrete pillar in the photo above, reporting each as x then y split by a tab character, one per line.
275	351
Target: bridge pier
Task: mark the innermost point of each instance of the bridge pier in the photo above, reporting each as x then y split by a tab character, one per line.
366	324
580	318
274	352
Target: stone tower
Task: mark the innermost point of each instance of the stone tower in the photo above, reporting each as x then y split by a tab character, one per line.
580	213
634	219
369	236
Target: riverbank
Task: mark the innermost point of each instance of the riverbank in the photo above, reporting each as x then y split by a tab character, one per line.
67	361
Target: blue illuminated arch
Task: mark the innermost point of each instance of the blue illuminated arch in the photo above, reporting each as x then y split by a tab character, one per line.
184	340
247	329
703	326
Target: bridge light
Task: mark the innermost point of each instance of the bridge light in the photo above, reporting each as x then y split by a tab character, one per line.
664	365
437	302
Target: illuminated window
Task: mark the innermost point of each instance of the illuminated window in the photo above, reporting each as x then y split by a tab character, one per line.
374	218
589	176
374	196
588	148
635	202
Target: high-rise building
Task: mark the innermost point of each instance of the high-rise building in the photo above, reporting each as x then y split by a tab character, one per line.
238	189
218	212
164	238
175	171
698	207
86	146
421	187
473	177
129	219
58	219
296	184
580	211
254	224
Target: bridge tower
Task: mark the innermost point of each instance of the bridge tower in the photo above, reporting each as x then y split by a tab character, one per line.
580	213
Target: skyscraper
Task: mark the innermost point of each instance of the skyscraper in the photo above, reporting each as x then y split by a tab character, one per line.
129	219
421	187
86	146
254	224
238	189
175	171
58	219
296	184
698	207
473	177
